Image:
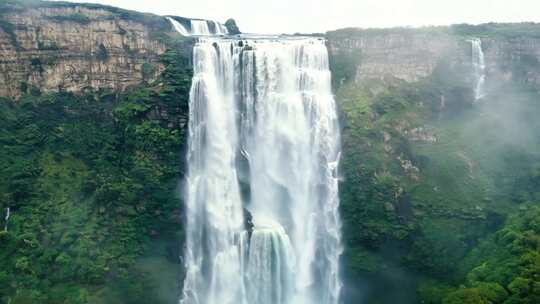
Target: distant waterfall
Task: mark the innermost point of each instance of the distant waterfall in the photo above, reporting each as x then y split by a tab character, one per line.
262	116
479	68
178	27
219	29
6	219
199	28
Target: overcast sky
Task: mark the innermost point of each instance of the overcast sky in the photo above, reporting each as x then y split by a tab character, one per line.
289	16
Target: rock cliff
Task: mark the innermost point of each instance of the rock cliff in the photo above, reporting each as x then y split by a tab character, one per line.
512	57
62	46
412	54
404	54
54	46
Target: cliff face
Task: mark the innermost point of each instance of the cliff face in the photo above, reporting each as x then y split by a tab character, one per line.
73	47
513	57
405	55
413	54
426	168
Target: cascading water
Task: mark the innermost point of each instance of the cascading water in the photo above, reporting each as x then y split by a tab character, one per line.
178	27
479	68
219	29
263	141
199	28
6	219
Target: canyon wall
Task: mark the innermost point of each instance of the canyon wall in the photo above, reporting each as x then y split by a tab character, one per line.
403	54
72	47
55	46
512	57
412	54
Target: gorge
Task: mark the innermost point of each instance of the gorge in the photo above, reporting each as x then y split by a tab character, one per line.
158	159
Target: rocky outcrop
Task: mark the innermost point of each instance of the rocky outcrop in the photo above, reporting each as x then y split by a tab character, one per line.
232	27
72	47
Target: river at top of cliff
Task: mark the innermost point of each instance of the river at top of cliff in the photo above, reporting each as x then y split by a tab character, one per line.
198	27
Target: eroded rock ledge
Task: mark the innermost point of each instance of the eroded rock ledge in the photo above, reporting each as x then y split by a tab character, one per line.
64	46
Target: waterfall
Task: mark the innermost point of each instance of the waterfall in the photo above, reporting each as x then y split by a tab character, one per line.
199	28
479	68
178	27
219	29
269	266
262	115
6	219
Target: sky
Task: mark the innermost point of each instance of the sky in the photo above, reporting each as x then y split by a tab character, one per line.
311	16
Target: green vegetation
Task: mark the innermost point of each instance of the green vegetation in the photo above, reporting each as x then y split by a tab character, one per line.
47	46
147	71
486	30
102	53
398	31
92	182
77	18
345	63
506	265
505	30
157	24
440	195
8	28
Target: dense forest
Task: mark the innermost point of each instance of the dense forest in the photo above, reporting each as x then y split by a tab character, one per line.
92	183
439	193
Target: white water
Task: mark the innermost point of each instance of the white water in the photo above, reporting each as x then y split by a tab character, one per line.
178	27
199	28
219	29
7	219
262	113
479	68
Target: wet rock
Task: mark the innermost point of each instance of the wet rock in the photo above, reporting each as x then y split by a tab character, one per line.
232	27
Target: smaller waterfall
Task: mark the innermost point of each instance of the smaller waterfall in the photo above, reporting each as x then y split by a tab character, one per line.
270	265
199	28
479	68
219	28
6	219
178	27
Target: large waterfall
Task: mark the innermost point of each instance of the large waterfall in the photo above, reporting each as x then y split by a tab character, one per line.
479	68
262	186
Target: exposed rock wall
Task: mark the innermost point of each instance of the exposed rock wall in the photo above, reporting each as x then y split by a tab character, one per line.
512	57
54	46
412	54
408	55
73	47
